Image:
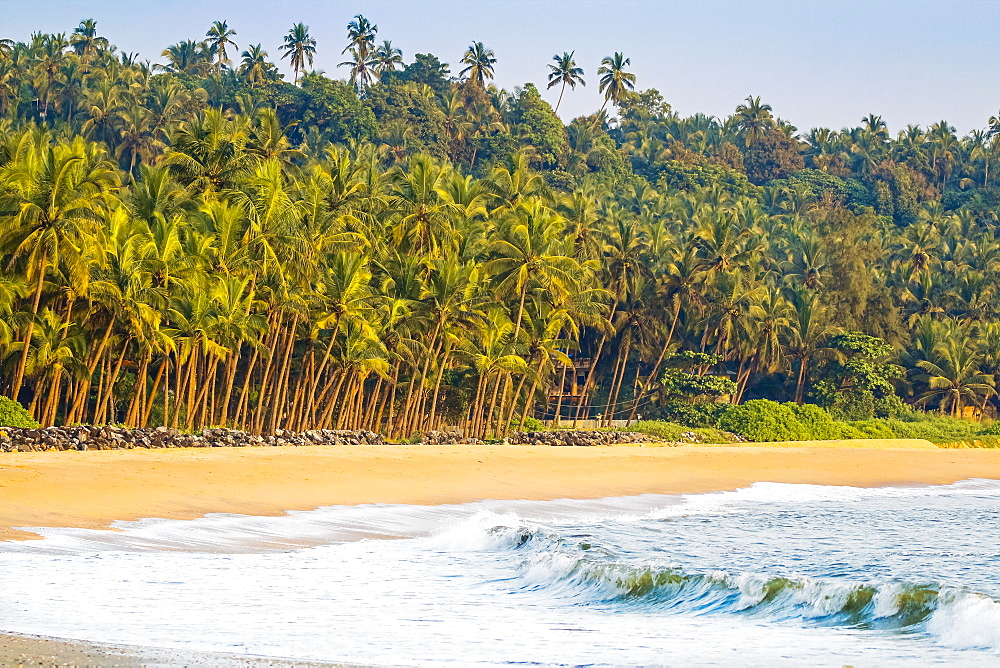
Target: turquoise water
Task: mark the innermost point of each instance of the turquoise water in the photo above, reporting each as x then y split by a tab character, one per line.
773	574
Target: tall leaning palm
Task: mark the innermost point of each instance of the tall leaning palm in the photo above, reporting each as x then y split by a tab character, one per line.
299	48
615	82
219	38
479	62
565	72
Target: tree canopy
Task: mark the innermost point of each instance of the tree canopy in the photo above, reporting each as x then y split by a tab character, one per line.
198	242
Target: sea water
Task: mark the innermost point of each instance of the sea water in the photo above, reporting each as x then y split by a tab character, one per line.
772	574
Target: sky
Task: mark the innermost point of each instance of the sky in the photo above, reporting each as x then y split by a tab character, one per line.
816	62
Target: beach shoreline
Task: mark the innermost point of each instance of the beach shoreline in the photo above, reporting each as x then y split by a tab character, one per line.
94	489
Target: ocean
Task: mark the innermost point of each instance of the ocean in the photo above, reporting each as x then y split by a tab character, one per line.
773	574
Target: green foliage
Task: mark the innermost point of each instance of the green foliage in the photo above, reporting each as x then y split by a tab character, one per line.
695	415
417	116
676	383
686	177
859	386
333	107
849	192
763	420
819	424
934	428
530	424
13	414
774	156
425	69
538	126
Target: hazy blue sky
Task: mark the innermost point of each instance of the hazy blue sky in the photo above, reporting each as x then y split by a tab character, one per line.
816	62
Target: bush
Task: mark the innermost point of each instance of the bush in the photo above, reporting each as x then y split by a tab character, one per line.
530	424
992	430
820	425
934	428
13	414
695	415
763	420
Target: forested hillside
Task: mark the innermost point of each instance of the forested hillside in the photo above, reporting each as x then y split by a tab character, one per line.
198	240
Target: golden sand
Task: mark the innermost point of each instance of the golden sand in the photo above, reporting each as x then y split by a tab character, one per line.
93	489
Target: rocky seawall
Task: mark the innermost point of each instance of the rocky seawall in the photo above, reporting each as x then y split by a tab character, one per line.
14	439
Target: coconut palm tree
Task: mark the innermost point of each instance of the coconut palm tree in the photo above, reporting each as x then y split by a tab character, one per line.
255	67
299	48
387	58
55	194
954	377
479	62
614	81
219	38
753	119
565	72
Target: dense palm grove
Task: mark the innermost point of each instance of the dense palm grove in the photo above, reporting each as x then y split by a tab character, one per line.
201	242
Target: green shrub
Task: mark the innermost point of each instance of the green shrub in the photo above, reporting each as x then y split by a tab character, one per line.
992	430
934	428
763	420
13	414
530	424
695	415
820	425
667	431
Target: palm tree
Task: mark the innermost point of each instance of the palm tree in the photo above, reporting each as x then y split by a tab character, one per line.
954	376
753	119
565	72
299	48
219	37
479	62
387	58
55	195
85	40
361	37
614	81
255	67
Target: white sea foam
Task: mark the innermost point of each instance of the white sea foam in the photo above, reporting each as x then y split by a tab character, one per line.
756	577
966	620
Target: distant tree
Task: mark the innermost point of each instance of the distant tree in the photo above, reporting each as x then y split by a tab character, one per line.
774	155
538	125
333	107
565	72
84	40
219	38
255	67
614	81
299	48
425	69
387	58
479	62
361	45
754	120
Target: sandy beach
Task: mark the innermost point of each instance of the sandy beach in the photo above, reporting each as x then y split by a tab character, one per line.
94	489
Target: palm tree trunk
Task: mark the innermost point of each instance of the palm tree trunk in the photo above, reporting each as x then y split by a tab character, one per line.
19	374
801	382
